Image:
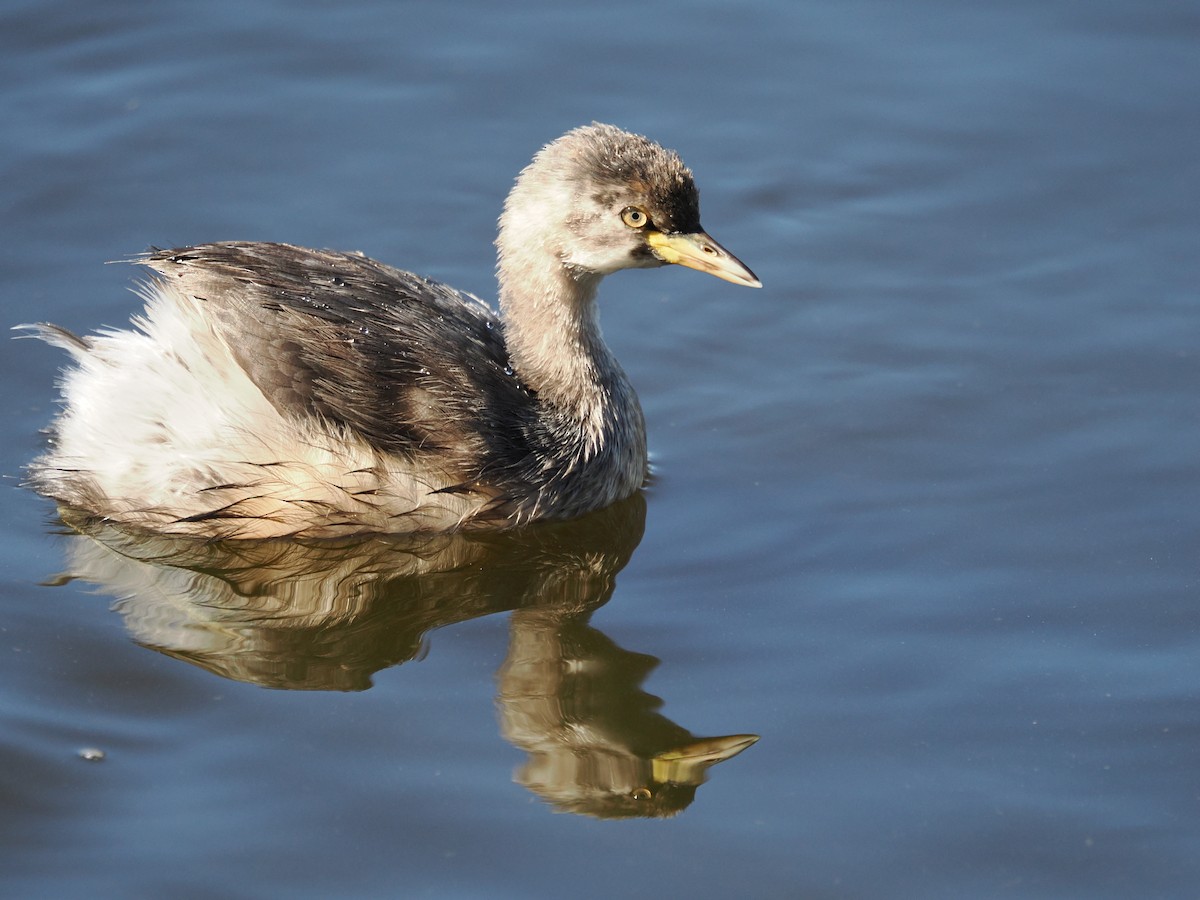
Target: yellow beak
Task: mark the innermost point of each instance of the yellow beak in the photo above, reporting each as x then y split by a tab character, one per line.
687	764
699	251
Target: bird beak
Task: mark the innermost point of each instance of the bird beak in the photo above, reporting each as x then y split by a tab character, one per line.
699	251
687	764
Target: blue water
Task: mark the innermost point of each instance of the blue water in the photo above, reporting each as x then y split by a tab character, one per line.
926	508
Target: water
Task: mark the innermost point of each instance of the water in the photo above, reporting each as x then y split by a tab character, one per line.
925	515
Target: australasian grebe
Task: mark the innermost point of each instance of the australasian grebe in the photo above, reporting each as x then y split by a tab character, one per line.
271	390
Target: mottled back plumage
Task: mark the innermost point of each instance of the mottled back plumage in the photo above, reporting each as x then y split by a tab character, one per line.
400	360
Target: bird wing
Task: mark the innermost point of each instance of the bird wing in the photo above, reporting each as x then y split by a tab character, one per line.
408	363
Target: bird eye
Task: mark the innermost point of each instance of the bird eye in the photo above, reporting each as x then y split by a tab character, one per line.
634	217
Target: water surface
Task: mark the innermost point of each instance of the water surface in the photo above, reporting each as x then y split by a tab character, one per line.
925	515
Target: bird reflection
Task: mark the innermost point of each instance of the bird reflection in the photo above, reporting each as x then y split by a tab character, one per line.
326	616
572	699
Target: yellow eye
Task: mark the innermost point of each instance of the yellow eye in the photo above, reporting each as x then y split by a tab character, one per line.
642	793
634	217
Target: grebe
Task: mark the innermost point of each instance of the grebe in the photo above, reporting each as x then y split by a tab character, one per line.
272	391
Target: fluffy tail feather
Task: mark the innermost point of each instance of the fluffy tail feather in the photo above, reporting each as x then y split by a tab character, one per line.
56	335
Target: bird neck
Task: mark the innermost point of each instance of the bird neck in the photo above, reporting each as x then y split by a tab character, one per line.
552	330
590	417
